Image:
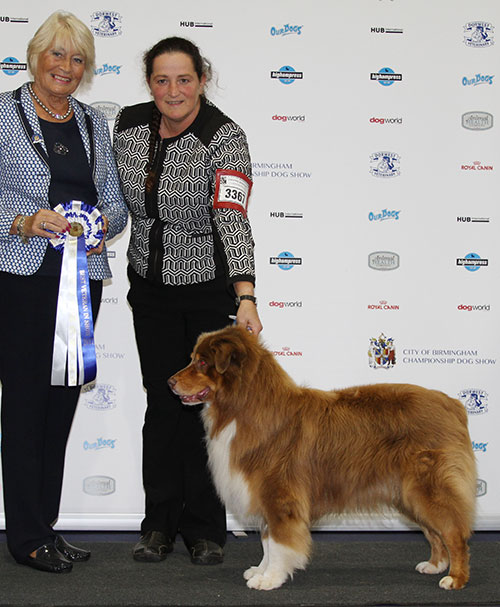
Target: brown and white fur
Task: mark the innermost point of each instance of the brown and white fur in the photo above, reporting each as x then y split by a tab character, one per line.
285	455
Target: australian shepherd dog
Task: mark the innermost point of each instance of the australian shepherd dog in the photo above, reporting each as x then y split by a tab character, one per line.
285	455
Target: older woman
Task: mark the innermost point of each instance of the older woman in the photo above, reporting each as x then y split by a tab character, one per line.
53	149
186	175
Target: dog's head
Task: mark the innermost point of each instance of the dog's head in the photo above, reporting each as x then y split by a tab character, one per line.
216	361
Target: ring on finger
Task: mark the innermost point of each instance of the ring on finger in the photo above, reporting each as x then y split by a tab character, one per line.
43	224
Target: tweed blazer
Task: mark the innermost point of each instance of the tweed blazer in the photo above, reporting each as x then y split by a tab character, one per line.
25	179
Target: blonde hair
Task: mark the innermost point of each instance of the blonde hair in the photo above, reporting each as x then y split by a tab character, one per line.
63	29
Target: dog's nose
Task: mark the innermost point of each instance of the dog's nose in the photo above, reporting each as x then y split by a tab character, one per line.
171	382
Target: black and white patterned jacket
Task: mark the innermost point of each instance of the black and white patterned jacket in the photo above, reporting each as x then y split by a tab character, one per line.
174	233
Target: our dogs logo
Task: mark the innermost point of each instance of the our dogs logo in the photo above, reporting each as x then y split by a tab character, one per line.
474	400
382	352
106	24
478	34
385	164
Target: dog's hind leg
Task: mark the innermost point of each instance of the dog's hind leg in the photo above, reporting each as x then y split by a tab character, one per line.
439	559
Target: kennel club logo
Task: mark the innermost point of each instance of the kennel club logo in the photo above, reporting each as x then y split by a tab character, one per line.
481	487
474	400
285	260
99	397
383	260
386	76
472	262
287	74
385	165
106	24
382	352
478	34
99	485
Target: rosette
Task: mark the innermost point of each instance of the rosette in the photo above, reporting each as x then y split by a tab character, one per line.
74	359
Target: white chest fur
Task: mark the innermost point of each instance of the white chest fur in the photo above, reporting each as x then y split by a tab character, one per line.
230	484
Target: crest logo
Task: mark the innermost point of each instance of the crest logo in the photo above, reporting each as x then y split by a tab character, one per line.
477	121
481	487
478	34
382	352
106	24
385	164
474	400
99	397
109	109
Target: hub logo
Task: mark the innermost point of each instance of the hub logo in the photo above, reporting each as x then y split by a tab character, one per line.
473	219
477	79
4	19
383	215
106	24
385	164
383	260
287	74
386	76
478	34
286	30
474	400
285	261
477	121
382	352
10	66
195	24
283	215
386	30
472	262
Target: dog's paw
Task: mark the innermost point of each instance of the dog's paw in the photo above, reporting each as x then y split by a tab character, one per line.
426	567
263	581
449	582
251	571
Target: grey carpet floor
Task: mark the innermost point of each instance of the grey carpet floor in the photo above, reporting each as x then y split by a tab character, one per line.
341	573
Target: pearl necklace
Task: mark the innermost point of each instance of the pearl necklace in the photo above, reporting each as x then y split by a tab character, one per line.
50	112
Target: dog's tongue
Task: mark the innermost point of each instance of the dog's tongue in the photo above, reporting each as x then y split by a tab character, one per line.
196	398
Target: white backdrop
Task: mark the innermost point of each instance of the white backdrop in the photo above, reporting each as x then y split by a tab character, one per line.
376	162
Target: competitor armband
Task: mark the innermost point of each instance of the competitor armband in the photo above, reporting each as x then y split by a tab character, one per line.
232	190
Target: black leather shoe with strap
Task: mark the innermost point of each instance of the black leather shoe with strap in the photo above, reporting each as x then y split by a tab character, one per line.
206	552
72	553
48	558
152	547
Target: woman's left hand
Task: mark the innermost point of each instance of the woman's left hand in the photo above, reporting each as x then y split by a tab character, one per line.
248	317
100	248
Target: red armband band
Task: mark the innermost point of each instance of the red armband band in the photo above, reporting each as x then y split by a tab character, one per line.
232	190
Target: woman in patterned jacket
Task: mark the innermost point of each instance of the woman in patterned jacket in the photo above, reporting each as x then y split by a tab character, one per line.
52	149
186	176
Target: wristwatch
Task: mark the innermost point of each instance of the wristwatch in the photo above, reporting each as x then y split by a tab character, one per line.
242	297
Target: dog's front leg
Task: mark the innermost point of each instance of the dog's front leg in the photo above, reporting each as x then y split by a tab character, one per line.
249	573
278	563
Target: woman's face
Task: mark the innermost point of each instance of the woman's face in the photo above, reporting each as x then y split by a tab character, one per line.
176	89
59	71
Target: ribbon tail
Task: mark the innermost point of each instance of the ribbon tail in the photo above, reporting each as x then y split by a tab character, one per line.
87	357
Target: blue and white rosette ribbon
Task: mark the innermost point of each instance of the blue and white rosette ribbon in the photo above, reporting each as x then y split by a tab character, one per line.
74	359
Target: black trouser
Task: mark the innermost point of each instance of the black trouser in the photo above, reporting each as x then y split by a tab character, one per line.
36	417
180	495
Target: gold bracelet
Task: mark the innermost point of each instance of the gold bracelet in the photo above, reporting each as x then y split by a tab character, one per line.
20	230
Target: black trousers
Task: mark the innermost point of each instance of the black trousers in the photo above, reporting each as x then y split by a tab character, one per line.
180	496
36	417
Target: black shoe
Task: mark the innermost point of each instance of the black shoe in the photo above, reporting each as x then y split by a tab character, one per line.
71	553
206	552
152	547
48	558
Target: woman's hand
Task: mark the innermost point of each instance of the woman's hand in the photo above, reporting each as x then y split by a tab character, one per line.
248	317
41	222
99	249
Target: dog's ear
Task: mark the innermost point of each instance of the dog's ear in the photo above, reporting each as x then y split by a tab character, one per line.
227	352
